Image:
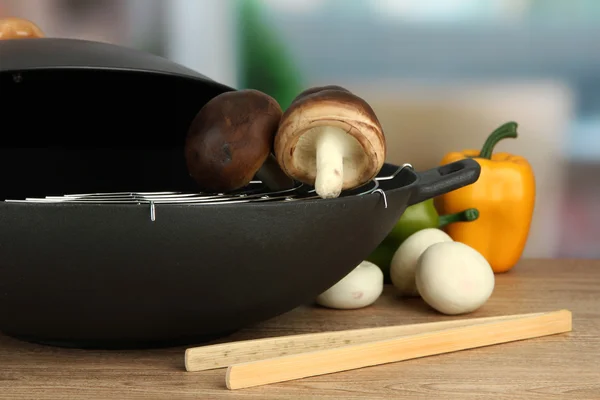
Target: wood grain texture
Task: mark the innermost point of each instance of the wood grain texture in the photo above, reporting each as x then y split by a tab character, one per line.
565	366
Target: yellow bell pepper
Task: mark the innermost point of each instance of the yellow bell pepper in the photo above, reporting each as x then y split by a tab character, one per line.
504	194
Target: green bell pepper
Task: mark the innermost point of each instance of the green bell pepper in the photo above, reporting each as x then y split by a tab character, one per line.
415	218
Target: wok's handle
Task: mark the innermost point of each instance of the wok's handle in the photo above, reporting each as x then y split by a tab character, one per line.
444	179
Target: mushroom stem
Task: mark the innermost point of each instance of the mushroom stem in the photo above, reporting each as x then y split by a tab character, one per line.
330	146
273	177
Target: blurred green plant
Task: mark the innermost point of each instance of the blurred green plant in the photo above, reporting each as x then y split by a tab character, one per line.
266	64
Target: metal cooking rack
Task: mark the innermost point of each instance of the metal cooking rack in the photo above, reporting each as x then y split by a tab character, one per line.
255	191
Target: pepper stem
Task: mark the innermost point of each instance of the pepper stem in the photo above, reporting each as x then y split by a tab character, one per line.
507	130
470	214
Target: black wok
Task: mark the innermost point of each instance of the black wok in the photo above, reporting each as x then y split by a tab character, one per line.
83	117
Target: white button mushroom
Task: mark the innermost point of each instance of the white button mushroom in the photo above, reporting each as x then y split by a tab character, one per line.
360	288
454	278
404	261
330	138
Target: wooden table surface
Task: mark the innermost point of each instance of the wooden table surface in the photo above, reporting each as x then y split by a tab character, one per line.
565	366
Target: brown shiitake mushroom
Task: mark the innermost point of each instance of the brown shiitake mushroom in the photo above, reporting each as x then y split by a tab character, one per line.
330	138
230	140
19	28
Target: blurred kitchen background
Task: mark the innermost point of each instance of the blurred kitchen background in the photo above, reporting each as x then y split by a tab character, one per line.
440	74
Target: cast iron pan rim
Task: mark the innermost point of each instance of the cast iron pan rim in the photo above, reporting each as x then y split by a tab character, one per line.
339	200
234	204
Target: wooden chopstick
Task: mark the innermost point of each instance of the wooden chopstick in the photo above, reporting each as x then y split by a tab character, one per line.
296	366
223	355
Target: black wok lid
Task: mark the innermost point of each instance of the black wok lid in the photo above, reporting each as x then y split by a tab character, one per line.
81	116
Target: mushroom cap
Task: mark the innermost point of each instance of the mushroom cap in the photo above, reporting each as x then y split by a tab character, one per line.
230	138
316	89
359	288
19	28
405	259
337	107
454	278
